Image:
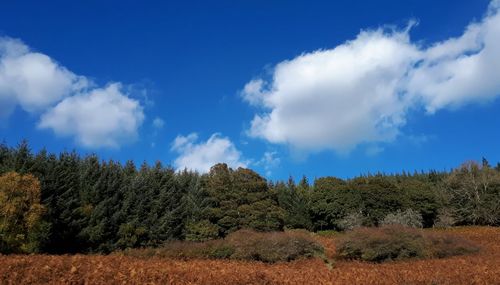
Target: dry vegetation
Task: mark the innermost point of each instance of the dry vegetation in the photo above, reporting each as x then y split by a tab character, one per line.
395	242
244	244
479	268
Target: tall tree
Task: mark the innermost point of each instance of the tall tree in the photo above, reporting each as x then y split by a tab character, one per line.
23	158
21	227
473	192
6	158
295	200
62	197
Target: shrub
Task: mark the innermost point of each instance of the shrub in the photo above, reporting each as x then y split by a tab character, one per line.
215	249
444	245
408	218
396	242
273	246
380	244
240	245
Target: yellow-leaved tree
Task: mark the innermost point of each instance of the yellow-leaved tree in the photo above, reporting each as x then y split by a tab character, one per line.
20	213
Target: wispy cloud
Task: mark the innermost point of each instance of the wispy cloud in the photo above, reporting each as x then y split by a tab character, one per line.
158	123
269	162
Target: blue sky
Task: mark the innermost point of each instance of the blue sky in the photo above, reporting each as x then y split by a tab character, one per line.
283	87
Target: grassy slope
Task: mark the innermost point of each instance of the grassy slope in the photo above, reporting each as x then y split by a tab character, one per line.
481	268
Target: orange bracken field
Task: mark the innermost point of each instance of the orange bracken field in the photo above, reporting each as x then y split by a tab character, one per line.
480	268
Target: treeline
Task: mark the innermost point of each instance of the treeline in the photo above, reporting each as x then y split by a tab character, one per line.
67	203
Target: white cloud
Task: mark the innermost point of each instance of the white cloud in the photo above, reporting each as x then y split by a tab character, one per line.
71	105
253	92
33	80
336	99
461	70
158	123
203	155
102	117
269	161
359	92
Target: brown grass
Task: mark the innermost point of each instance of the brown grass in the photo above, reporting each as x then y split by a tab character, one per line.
480	268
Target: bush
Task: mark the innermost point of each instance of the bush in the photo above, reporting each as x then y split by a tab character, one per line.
380	244
351	221
444	245
273	246
215	249
396	242
408	218
240	245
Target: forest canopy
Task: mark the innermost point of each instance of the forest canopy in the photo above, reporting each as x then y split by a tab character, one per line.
67	203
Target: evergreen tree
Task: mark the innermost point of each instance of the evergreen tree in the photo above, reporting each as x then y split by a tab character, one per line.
63	200
6	158
96	206
295	200
23	158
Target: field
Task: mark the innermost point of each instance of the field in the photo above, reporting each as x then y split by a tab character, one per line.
481	268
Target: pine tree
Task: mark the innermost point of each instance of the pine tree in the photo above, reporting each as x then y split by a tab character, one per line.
6	158
23	158
62	196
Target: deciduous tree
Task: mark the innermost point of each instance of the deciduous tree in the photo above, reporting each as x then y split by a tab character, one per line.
20	213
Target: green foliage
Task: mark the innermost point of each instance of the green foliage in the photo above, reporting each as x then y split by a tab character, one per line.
92	205
396	243
61	195
328	233
296	201
262	215
130	235
201	231
331	200
241	199
421	197
340	205
379	197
